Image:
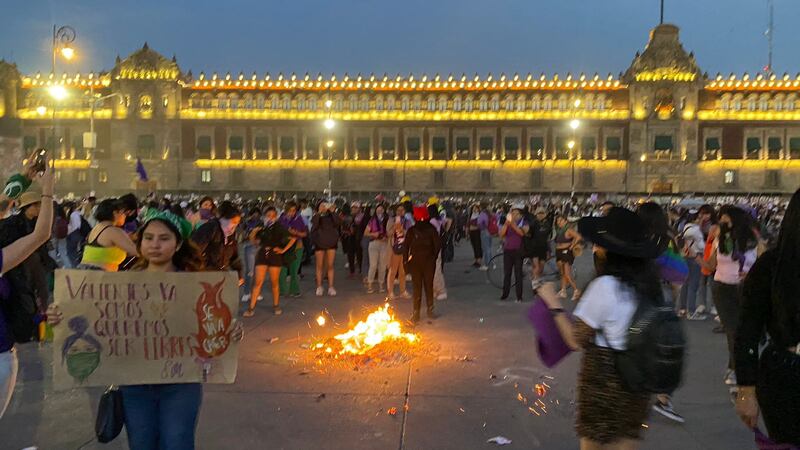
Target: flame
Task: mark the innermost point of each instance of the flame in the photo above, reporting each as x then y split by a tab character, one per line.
380	326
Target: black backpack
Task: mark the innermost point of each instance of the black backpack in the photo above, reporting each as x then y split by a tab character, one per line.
653	362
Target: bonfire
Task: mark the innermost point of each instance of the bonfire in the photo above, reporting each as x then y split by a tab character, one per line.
378	339
379	327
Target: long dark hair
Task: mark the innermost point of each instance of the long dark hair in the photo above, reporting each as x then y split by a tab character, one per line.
739	236
639	274
657	225
186	259
786	280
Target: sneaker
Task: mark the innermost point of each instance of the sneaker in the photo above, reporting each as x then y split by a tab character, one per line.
405	294
370	289
519	300
698	315
245	298
382	289
320	291
277	310
260	297
442	296
730	377
297	295
331	292
483	268
562	293
666	410
713	311
700	309
346	265
576	295
476	265
718	320
681	313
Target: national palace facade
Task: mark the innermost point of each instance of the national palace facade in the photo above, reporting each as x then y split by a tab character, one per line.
663	126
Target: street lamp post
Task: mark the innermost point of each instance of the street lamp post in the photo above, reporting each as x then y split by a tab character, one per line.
62	39
571	146
643	159
329	125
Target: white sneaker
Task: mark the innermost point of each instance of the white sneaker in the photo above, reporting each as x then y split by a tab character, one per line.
405	294
730	377
260	297
347	265
713	311
245	298
320	291
700	309
442	296
483	268
331	292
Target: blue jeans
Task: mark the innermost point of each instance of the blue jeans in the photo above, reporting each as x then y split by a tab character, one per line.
486	247
249	265
689	289
161	416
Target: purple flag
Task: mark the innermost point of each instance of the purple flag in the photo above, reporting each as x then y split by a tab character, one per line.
140	170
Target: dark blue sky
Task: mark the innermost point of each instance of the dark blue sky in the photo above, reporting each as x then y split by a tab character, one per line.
419	36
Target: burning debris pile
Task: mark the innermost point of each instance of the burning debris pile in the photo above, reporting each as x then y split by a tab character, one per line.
378	340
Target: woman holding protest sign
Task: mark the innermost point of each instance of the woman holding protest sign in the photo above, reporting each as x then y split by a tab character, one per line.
162	416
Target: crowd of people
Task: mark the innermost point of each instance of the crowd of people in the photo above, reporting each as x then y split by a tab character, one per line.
739	260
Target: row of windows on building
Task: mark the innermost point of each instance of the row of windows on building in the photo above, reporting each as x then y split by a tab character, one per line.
754	147
363	148
388	179
585	179
758	102
403	102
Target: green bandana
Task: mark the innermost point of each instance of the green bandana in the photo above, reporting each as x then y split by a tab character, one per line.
182	225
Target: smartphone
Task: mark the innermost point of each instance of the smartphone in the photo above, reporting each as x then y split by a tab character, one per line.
40	163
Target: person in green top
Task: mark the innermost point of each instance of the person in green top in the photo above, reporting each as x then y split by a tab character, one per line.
274	242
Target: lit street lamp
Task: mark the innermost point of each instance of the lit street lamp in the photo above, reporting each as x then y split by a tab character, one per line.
329	123
574	124
643	159
63	37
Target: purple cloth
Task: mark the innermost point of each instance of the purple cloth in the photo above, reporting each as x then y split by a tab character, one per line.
765	443
483	221
296	223
551	346
513	241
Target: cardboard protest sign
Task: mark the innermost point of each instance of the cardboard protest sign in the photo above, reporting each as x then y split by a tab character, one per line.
144	328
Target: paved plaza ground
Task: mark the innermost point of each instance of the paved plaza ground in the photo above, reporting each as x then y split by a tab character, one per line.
466	392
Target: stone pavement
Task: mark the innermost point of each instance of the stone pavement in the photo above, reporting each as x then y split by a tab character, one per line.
453	403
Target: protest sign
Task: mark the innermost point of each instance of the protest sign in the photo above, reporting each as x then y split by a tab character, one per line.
128	328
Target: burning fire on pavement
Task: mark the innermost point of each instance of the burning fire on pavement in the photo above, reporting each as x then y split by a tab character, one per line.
379	339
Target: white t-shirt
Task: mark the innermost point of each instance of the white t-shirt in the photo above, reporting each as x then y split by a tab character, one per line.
693	236
608	306
728	270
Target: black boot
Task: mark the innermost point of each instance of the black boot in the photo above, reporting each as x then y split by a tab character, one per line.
431	314
415	317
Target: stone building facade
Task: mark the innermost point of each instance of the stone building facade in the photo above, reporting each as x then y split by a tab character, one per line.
663	126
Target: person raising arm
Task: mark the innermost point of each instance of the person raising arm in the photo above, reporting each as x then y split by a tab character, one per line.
16	252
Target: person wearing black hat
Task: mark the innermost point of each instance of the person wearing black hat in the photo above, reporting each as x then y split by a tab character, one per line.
608	413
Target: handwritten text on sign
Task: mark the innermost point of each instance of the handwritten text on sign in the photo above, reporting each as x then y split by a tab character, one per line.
144	328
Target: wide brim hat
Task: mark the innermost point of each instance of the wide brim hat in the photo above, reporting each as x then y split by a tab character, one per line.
29	198
621	232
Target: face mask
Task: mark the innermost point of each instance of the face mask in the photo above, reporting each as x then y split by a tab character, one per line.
227	227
